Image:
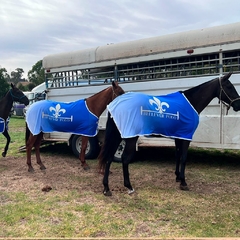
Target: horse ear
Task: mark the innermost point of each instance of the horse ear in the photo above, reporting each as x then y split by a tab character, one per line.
12	86
227	76
114	84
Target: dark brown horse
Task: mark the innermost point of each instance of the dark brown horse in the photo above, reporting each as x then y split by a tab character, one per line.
199	97
6	103
96	105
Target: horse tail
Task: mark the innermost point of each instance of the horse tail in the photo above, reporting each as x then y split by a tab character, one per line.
111	142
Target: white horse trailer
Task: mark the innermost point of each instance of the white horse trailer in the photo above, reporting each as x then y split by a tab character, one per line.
155	66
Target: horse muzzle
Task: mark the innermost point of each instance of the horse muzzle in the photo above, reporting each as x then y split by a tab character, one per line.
26	102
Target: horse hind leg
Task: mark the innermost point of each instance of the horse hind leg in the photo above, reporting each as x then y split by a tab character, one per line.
108	153
181	158
82	153
106	191
178	157
6	135
37	145
34	141
29	145
127	156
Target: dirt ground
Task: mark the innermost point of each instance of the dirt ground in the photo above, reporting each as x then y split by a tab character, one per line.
61	173
64	171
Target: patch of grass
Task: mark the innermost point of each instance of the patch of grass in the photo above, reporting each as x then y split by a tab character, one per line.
17	134
157	209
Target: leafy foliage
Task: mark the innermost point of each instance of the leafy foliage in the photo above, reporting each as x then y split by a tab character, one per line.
36	74
4	86
16	76
35	77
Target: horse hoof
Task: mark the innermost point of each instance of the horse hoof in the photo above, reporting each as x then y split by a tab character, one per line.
107	193
86	168
4	154
131	191
43	168
184	188
31	170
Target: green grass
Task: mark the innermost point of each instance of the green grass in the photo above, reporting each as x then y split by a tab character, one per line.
77	208
17	134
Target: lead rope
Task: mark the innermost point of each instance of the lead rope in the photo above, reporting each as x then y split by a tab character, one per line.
224	103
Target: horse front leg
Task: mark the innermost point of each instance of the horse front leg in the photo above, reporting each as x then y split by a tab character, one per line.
82	153
6	135
181	155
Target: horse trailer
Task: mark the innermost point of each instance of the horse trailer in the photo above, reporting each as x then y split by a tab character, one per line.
155	66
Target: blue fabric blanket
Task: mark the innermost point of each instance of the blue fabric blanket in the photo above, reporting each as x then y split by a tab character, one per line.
138	114
49	116
3	124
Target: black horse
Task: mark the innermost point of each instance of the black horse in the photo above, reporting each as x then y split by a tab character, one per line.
6	103
199	97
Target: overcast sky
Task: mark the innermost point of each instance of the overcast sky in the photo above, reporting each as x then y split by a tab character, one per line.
32	29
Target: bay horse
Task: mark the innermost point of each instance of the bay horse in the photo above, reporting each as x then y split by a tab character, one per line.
199	97
6	103
96	104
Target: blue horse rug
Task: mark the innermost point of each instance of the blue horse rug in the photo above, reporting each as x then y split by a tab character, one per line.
3	124
73	117
138	114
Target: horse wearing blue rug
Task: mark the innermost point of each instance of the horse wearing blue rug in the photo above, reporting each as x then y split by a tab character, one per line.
174	116
170	116
62	117
79	117
6	103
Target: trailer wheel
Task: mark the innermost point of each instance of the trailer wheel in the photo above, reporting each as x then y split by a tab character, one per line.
119	152
92	150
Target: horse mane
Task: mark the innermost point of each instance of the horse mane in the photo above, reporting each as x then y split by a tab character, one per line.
99	92
4	95
196	88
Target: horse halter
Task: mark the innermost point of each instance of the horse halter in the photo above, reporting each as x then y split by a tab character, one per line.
224	103
114	95
16	97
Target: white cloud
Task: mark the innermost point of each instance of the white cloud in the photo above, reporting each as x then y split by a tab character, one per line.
32	29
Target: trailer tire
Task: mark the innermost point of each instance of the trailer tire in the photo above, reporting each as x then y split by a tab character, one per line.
92	150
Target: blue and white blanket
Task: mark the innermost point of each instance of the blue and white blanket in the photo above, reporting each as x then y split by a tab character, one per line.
50	116
138	114
3	124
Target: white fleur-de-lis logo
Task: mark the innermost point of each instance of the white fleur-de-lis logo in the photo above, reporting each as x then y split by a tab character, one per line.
57	110
159	104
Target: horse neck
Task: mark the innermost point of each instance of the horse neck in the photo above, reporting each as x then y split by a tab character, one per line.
200	96
98	102
6	104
